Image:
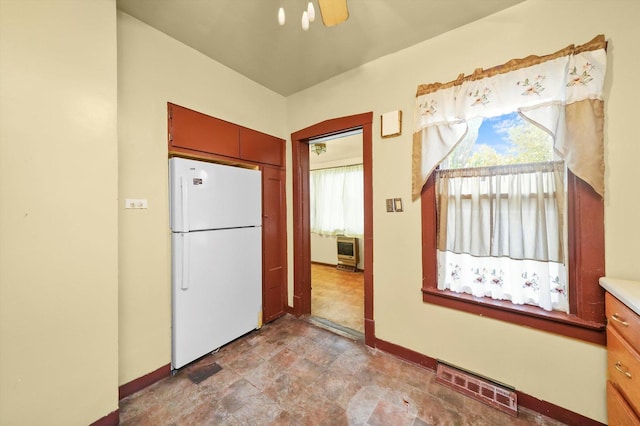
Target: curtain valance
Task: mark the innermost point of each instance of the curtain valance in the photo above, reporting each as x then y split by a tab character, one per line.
560	93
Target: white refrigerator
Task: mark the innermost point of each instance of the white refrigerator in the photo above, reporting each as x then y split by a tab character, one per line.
216	238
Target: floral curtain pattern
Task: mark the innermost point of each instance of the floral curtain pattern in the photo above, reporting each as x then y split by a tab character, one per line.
531	282
561	93
500	233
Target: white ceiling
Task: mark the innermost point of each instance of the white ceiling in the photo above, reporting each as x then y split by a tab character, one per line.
245	36
340	151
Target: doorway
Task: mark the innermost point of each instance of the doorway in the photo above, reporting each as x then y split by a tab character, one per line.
301	217
337	214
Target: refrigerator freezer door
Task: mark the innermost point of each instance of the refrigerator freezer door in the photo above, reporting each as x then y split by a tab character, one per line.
223	297
213	196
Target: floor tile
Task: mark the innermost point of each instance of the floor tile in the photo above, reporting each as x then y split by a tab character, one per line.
291	372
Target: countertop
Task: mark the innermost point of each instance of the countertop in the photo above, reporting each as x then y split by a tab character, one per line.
628	292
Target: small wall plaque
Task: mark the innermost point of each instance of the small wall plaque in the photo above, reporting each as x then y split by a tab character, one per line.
391	124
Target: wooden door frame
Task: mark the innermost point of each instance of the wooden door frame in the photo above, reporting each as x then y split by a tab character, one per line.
301	218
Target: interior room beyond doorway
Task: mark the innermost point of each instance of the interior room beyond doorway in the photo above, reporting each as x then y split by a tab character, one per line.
301	214
336	209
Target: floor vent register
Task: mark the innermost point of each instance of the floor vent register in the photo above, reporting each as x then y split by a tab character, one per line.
200	373
497	395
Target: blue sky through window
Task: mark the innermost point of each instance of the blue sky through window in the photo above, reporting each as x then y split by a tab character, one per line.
505	139
494	132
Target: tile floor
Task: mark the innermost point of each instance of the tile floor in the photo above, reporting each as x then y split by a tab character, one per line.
292	372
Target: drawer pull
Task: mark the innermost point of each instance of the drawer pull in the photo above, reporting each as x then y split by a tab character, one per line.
617	319
619	368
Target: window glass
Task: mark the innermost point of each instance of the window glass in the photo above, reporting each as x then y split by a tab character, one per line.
500	214
506	139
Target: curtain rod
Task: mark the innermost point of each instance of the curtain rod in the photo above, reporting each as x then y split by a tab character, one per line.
598	42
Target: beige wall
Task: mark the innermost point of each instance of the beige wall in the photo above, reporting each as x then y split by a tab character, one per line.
74	324
563	371
58	217
154	69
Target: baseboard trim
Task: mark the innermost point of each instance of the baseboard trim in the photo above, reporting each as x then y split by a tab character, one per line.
555	412
144	381
332	265
111	419
532	403
407	354
370	332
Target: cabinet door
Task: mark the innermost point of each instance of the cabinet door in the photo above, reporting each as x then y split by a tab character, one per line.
274	240
620	414
200	132
261	148
623	364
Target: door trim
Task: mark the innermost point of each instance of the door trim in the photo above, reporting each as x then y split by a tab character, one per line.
301	218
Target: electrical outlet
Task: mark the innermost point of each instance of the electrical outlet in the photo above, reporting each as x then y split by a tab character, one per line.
135	203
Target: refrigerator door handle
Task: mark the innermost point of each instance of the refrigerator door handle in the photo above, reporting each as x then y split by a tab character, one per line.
184	284
184	205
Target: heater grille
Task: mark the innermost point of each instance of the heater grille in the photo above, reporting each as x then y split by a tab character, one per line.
481	389
348	268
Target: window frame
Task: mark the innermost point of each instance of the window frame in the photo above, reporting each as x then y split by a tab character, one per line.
585	221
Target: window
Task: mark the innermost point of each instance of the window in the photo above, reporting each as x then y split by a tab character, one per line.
500	204
585	221
560	93
336	198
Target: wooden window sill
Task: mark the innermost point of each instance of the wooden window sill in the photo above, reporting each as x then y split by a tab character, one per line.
525	315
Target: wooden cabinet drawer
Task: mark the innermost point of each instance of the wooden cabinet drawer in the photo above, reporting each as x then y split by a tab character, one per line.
623	368
620	414
623	320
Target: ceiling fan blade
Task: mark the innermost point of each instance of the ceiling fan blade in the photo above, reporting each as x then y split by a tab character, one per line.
333	12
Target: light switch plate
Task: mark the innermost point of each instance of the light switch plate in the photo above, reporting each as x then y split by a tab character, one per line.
397	204
389	205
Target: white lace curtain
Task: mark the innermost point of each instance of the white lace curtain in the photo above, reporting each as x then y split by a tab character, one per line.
500	233
560	93
337	200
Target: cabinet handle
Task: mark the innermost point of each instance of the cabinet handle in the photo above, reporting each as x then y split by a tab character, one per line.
619	368
617	319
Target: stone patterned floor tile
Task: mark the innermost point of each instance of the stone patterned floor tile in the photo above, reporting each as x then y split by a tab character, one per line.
388	414
291	372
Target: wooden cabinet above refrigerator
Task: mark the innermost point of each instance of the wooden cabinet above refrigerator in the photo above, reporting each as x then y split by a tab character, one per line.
191	132
199	136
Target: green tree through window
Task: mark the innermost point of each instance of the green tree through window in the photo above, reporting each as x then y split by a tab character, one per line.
507	139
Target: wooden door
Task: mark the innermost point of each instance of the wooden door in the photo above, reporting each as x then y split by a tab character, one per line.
274	241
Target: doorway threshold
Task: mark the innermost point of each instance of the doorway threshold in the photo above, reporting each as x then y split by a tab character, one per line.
336	328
